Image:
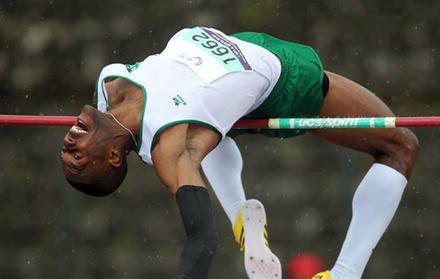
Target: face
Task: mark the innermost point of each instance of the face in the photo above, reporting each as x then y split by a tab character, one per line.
84	150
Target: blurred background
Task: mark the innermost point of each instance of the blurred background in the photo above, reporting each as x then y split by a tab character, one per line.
50	54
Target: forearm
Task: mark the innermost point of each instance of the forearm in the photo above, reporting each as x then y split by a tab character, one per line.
201	235
175	171
183	181
177	163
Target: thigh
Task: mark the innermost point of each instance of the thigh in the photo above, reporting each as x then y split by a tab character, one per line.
346	98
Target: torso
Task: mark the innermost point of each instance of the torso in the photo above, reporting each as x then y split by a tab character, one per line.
174	93
125	95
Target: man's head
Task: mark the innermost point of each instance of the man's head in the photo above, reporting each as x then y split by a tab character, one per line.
94	153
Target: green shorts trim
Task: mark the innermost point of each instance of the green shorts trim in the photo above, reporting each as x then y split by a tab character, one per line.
298	92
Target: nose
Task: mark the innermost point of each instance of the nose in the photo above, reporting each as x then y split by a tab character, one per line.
68	141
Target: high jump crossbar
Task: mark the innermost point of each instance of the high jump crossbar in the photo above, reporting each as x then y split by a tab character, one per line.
266	123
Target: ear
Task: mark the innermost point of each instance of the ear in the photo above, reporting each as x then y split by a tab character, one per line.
115	158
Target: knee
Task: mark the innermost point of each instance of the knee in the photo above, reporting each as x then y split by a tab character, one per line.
408	146
401	151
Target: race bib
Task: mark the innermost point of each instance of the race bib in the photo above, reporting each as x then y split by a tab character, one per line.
208	53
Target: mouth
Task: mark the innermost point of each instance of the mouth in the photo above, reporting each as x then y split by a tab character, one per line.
80	128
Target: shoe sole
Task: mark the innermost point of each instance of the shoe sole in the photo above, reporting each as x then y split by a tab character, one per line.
259	261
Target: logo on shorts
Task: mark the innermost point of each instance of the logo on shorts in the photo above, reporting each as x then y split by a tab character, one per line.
178	100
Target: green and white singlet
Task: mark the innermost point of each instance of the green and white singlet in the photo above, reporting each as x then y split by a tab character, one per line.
202	76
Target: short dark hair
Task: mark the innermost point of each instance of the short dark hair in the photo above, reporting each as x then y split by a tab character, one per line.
104	185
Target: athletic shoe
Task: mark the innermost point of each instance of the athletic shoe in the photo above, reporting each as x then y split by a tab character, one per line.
239	231
259	261
322	275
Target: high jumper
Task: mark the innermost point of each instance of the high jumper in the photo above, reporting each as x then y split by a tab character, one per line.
176	110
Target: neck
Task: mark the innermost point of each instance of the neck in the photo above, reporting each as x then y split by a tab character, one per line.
126	102
133	138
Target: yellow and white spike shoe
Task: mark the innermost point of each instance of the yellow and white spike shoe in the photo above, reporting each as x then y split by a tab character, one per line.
239	232
322	275
259	261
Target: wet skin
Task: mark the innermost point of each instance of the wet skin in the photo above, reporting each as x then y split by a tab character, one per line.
96	143
396	148
86	149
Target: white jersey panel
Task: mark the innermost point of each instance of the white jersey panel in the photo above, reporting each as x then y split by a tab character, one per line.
175	93
259	59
